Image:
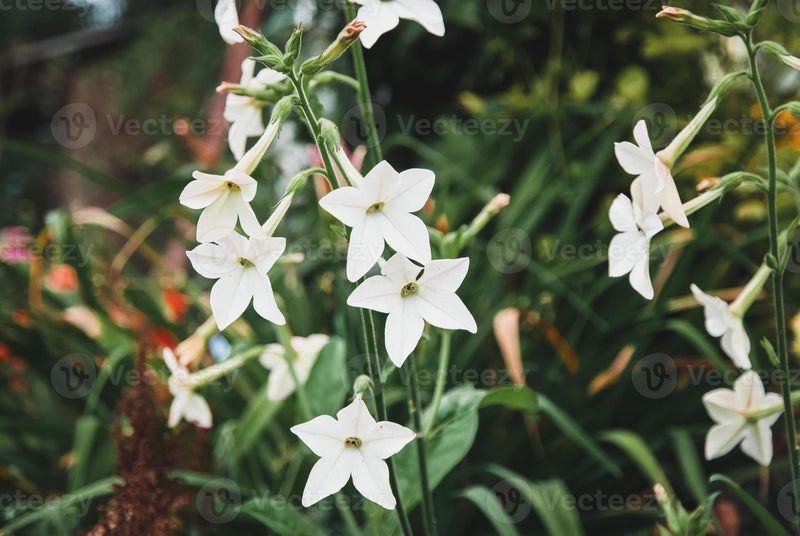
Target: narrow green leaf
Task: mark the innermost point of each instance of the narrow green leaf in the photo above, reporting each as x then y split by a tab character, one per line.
635	447
488	503
773	527
691	466
280	516
517	398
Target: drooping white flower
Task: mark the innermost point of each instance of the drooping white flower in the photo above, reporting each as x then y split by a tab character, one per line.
629	251
380	210
722	322
382	16
742	414
227	18
281	384
224	200
186	404
352	445
652	172
240	266
410	300
243	112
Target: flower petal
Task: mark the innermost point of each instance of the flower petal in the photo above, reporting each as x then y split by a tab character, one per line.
671	203
264	252
723	406
197	412
632	159
721	439
201	193
749	390
643	139
227	18
403	330
329	475
386	439
380	182
355	419
365	248
412	190
230	296
624	251
443	309
379	19
371	479
323	435
445	274
621	215
176	409
218	219
404	232
400	270
263	298
212	261
757	443
347	204
170	360
425	12
736	344
378	293
640	278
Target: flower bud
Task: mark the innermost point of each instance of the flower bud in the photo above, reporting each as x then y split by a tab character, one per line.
277	215
362	384
343	41
293	45
756	11
776	50
684	16
257	41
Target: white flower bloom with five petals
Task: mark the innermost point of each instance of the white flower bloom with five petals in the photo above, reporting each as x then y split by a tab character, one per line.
379	210
240	266
224	199
722	322
742	414
411	299
186	404
382	16
243	112
629	251
352	445
227	18
652	172
281	383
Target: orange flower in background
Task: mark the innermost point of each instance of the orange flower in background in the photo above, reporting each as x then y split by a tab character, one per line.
177	304
21	318
62	278
163	338
5	353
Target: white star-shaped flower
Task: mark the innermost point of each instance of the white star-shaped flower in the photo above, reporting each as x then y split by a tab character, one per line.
240	266
227	18
629	251
281	384
352	445
380	210
652	172
224	199
243	112
734	412
382	16
186	404
410	300
721	322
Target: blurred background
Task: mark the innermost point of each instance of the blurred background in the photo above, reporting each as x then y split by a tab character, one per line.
106	108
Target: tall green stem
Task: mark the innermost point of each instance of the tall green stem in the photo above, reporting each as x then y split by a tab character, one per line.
777	276
364	99
441	378
414	408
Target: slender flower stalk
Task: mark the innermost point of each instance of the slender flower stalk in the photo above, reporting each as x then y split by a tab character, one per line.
751	291
777	277
441	375
207	375
414	408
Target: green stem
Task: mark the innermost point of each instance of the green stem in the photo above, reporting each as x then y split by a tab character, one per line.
313	126
347	515
284	335
364	100
414	408
441	377
777	276
374	368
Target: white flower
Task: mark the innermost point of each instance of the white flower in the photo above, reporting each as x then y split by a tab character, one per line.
243	112
281	384
629	251
241	267
734	412
227	17
652	173
186	404
411	299
382	16
722	322
380	210
224	199
354	445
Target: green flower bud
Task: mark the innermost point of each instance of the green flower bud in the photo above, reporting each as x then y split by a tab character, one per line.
362	384
728	29
343	41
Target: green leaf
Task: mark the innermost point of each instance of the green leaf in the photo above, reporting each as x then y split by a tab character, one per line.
86	429
691	466
62	504
280	516
640	453
773	527
574	431
326	381
488	503
257	415
517	398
